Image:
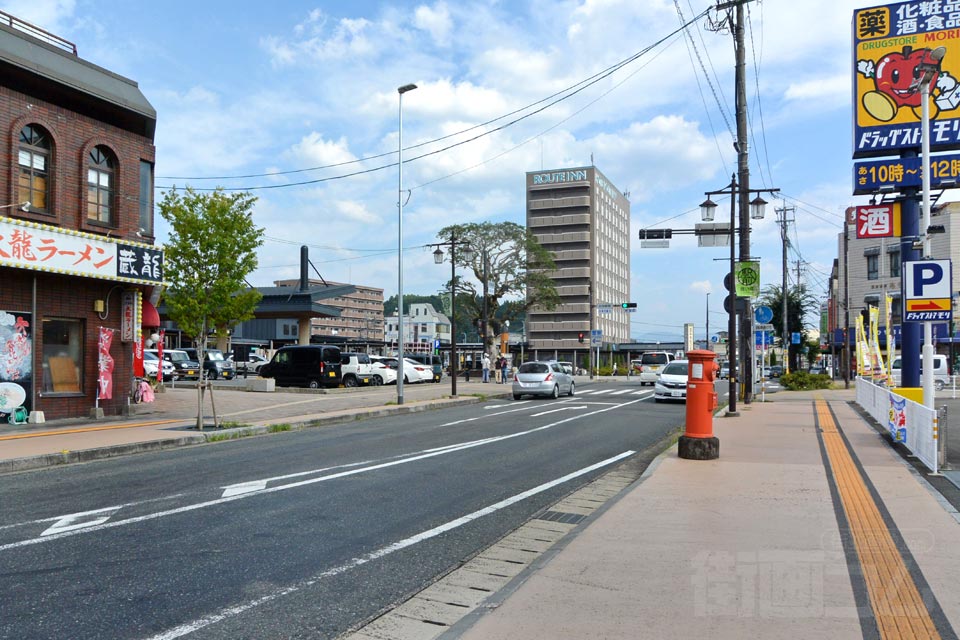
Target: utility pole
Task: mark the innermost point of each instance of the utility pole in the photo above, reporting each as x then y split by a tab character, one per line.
785	242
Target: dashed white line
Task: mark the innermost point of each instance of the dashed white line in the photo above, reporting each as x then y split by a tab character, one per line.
230	612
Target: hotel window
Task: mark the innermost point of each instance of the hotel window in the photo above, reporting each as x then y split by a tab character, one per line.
894	257
873	262
62	356
33	158
100	180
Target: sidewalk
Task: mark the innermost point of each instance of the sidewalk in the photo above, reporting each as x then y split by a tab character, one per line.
749	545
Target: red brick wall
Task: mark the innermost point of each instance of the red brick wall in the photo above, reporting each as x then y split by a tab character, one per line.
70	297
73	135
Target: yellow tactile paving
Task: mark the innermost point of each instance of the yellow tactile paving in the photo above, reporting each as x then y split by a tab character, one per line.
896	602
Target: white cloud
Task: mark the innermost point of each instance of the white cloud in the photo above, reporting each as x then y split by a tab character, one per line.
436	21
701	286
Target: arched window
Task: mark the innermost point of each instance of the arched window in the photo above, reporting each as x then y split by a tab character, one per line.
34	163
100	180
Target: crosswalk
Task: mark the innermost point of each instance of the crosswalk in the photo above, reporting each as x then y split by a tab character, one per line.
614	392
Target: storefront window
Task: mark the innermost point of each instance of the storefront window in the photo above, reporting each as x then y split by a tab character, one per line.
62	356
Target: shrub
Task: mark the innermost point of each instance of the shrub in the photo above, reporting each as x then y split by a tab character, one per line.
802	381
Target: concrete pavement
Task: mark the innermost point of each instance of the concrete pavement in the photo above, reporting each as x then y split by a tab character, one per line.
809	524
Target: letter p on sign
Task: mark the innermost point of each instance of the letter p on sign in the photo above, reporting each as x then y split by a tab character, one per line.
926	279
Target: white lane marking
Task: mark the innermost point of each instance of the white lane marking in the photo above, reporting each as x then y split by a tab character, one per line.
491	415
640	393
621	392
599	391
243	487
257	485
543	413
501	406
115	507
303	483
230	612
80	520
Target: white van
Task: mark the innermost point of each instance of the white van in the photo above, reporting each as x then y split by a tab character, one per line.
941	371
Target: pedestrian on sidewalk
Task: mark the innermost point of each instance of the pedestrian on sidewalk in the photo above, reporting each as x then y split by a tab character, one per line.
614	368
486	368
503	369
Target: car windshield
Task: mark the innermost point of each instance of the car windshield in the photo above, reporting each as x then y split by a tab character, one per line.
150	356
214	355
534	367
178	356
654	358
676	369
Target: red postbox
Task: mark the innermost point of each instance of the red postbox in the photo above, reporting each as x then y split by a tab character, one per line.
698	442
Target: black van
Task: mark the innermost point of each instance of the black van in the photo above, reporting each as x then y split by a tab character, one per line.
431	360
313	366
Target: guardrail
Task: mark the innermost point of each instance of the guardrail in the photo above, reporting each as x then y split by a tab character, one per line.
909	423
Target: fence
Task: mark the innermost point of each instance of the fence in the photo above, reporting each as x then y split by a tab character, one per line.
910	423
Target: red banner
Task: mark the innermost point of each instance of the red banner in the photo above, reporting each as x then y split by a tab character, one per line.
138	358
105	365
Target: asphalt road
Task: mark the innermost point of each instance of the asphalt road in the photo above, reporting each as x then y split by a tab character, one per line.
297	535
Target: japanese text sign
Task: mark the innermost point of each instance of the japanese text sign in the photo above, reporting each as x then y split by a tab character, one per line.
894	174
927	285
27	245
878	221
890	43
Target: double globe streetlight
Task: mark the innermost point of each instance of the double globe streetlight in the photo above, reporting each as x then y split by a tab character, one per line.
468	254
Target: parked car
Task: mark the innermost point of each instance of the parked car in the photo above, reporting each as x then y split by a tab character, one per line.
251	365
151	364
414	372
651	363
431	360
542	378
184	367
215	364
724	370
776	371
941	371
356	369
384	370
309	365
672	383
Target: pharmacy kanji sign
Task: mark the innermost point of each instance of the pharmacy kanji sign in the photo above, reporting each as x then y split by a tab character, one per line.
890	42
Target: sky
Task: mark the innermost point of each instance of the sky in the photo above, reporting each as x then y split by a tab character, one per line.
288	99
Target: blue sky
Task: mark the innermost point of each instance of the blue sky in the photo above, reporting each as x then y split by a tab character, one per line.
251	88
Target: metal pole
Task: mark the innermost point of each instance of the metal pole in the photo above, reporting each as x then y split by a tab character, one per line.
706	337
846	301
732	320
743	173
402	90
783	292
926	370
486	320
453	315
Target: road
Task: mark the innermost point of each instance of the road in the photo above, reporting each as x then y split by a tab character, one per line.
295	535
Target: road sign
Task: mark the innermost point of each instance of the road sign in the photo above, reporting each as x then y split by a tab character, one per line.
926	290
596	337
715	338
748	278
795	337
762	326
763	338
763	314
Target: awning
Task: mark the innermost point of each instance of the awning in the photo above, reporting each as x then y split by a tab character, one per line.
150	317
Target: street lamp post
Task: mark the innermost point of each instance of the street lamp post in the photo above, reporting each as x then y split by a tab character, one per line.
401	90
24	206
707	208
927	71
438	259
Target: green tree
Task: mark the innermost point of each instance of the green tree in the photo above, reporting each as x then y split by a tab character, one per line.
800	303
514	266
212	249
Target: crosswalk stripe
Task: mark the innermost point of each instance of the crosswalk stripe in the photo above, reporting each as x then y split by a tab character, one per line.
621	392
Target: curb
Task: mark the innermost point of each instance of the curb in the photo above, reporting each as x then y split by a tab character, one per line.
223	435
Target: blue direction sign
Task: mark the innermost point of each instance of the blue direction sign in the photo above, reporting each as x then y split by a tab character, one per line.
596	337
763	338
763	314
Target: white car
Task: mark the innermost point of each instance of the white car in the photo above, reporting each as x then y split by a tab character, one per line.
150	363
652	364
384	370
672	383
414	372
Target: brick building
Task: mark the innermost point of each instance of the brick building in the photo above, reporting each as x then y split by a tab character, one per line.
76	226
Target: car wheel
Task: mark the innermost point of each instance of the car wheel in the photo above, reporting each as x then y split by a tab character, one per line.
313	384
938	385
516	396
572	389
213	375
556	391
406	380
349	382
378	380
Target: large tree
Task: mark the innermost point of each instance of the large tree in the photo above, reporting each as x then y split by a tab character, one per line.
211	251
514	266
800	303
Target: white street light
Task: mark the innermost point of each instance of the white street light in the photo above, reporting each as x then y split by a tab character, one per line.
401	90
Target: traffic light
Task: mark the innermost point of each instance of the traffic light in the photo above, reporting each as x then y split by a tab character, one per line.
628	305
580	337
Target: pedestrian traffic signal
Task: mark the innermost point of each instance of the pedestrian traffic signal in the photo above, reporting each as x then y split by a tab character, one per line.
580	337
628	305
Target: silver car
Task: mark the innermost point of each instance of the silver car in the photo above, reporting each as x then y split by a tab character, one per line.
541	378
